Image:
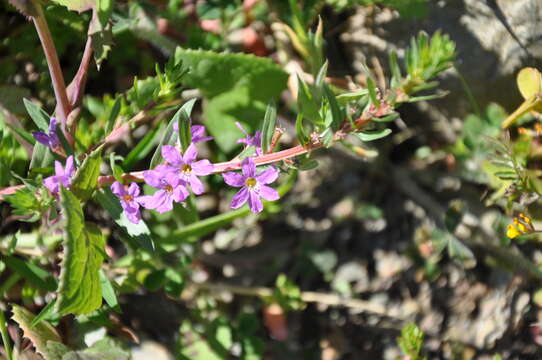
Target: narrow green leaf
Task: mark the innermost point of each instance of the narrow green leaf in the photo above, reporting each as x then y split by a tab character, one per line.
373	135
115	111
79	290
336	112
320	81
41	157
85	180
371	86
307	104
183	121
138	232
40	334
35	275
395	69
268	126
105	7
44	313
388	118
40	117
300	131
108	292
142	149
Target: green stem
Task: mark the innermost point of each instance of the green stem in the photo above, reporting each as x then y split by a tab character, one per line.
59	86
5	336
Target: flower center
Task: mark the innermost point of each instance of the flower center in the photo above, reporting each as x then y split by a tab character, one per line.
186	168
127	198
169	188
251	182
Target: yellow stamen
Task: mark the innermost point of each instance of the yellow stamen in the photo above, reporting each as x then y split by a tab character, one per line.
127	198
186	168
169	188
512	232
251	182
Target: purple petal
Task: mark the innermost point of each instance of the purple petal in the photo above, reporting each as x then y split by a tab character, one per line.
172	179
238	124
202	167
41	137
257	139
69	170
167	204
65	181
248	167
268	193
190	154
234	179
240	198
130	207
51	183
152	201
196	185
171	154
133	190
254	202
134	217
180	193
197	131
53	137
118	189
59	171
267	176
154	178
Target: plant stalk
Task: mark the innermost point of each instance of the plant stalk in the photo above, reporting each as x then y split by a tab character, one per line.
5	336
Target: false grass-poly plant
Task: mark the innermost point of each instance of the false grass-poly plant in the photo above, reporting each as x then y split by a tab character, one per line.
75	170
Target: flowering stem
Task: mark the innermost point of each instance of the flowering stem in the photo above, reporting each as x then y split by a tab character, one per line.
54	67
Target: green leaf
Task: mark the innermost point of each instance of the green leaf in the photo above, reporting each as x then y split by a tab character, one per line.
529	82
300	130
115	111
47	311
307	104
12	98
41	157
40	334
35	275
215	73
138	232
79	290
373	95
108	292
24	202
77	5
388	118
105	7
454	215
268	127
142	149
337	114
102	38
183	122
85	180
104	349
367	136
40	117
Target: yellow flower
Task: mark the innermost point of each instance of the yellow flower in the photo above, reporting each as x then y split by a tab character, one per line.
512	232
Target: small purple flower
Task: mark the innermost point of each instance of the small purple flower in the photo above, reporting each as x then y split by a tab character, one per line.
248	140
253	185
197	133
62	176
171	189
186	167
51	140
128	200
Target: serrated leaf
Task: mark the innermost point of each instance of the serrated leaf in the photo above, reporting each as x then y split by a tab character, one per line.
85	180
268	126
39	334
79	290
102	38
215	73
529	82
25	7
367	136
139	232
104	349
24	202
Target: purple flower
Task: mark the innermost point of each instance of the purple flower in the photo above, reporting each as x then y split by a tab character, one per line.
171	189
128	200
51	139
62	176
253	185
248	140
186	167
196	131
